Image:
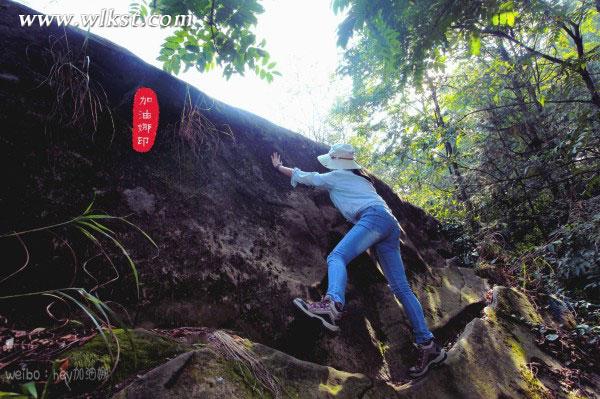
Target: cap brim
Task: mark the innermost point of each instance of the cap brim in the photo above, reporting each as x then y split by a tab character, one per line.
324	159
330	163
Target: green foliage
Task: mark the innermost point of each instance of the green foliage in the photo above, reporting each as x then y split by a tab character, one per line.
86	302
475	44
400	41
575	255
411	34
90	224
12	395
222	34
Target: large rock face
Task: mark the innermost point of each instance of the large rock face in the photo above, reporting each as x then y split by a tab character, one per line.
236	242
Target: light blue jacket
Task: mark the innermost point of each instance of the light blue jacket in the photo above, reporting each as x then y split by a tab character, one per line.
350	193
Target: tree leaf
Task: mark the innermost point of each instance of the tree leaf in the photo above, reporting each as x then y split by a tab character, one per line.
475	45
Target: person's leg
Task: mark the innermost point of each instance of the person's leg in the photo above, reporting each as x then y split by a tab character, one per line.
388	255
429	353
369	229
356	241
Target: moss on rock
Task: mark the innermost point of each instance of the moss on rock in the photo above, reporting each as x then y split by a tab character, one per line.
330	389
208	373
510	301
137	350
492	356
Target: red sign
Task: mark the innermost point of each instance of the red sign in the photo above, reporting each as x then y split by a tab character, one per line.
145	119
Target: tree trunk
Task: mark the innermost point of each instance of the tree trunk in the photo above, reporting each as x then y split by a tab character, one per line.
517	83
582	70
519	80
589	83
452	165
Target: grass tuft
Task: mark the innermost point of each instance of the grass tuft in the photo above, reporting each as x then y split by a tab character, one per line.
233	348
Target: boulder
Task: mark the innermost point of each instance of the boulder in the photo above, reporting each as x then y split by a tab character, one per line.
494	357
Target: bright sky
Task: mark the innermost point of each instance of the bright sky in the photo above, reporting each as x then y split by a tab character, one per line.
300	35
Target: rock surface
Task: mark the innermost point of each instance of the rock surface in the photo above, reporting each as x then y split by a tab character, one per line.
236	242
494	357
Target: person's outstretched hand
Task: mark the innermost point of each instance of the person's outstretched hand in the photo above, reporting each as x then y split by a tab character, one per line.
276	159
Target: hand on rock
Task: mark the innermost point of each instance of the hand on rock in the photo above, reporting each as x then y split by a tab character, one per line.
276	159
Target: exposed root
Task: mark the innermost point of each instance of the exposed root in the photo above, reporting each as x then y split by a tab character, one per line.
231	348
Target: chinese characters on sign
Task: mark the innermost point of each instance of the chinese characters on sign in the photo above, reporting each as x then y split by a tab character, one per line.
145	119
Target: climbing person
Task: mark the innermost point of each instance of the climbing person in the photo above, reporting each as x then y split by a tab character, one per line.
352	192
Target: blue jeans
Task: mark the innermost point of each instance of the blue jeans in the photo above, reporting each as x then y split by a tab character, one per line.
378	227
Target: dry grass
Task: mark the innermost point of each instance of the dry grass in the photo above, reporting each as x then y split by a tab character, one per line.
79	101
232	348
198	131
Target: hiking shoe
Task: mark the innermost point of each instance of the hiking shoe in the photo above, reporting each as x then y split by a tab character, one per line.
428	355
325	310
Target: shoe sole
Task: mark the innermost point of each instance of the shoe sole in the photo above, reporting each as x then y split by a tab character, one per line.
432	364
300	304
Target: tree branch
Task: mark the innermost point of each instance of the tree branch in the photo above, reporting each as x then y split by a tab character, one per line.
504	35
528	102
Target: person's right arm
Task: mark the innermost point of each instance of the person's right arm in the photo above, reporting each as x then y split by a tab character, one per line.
298	176
276	159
